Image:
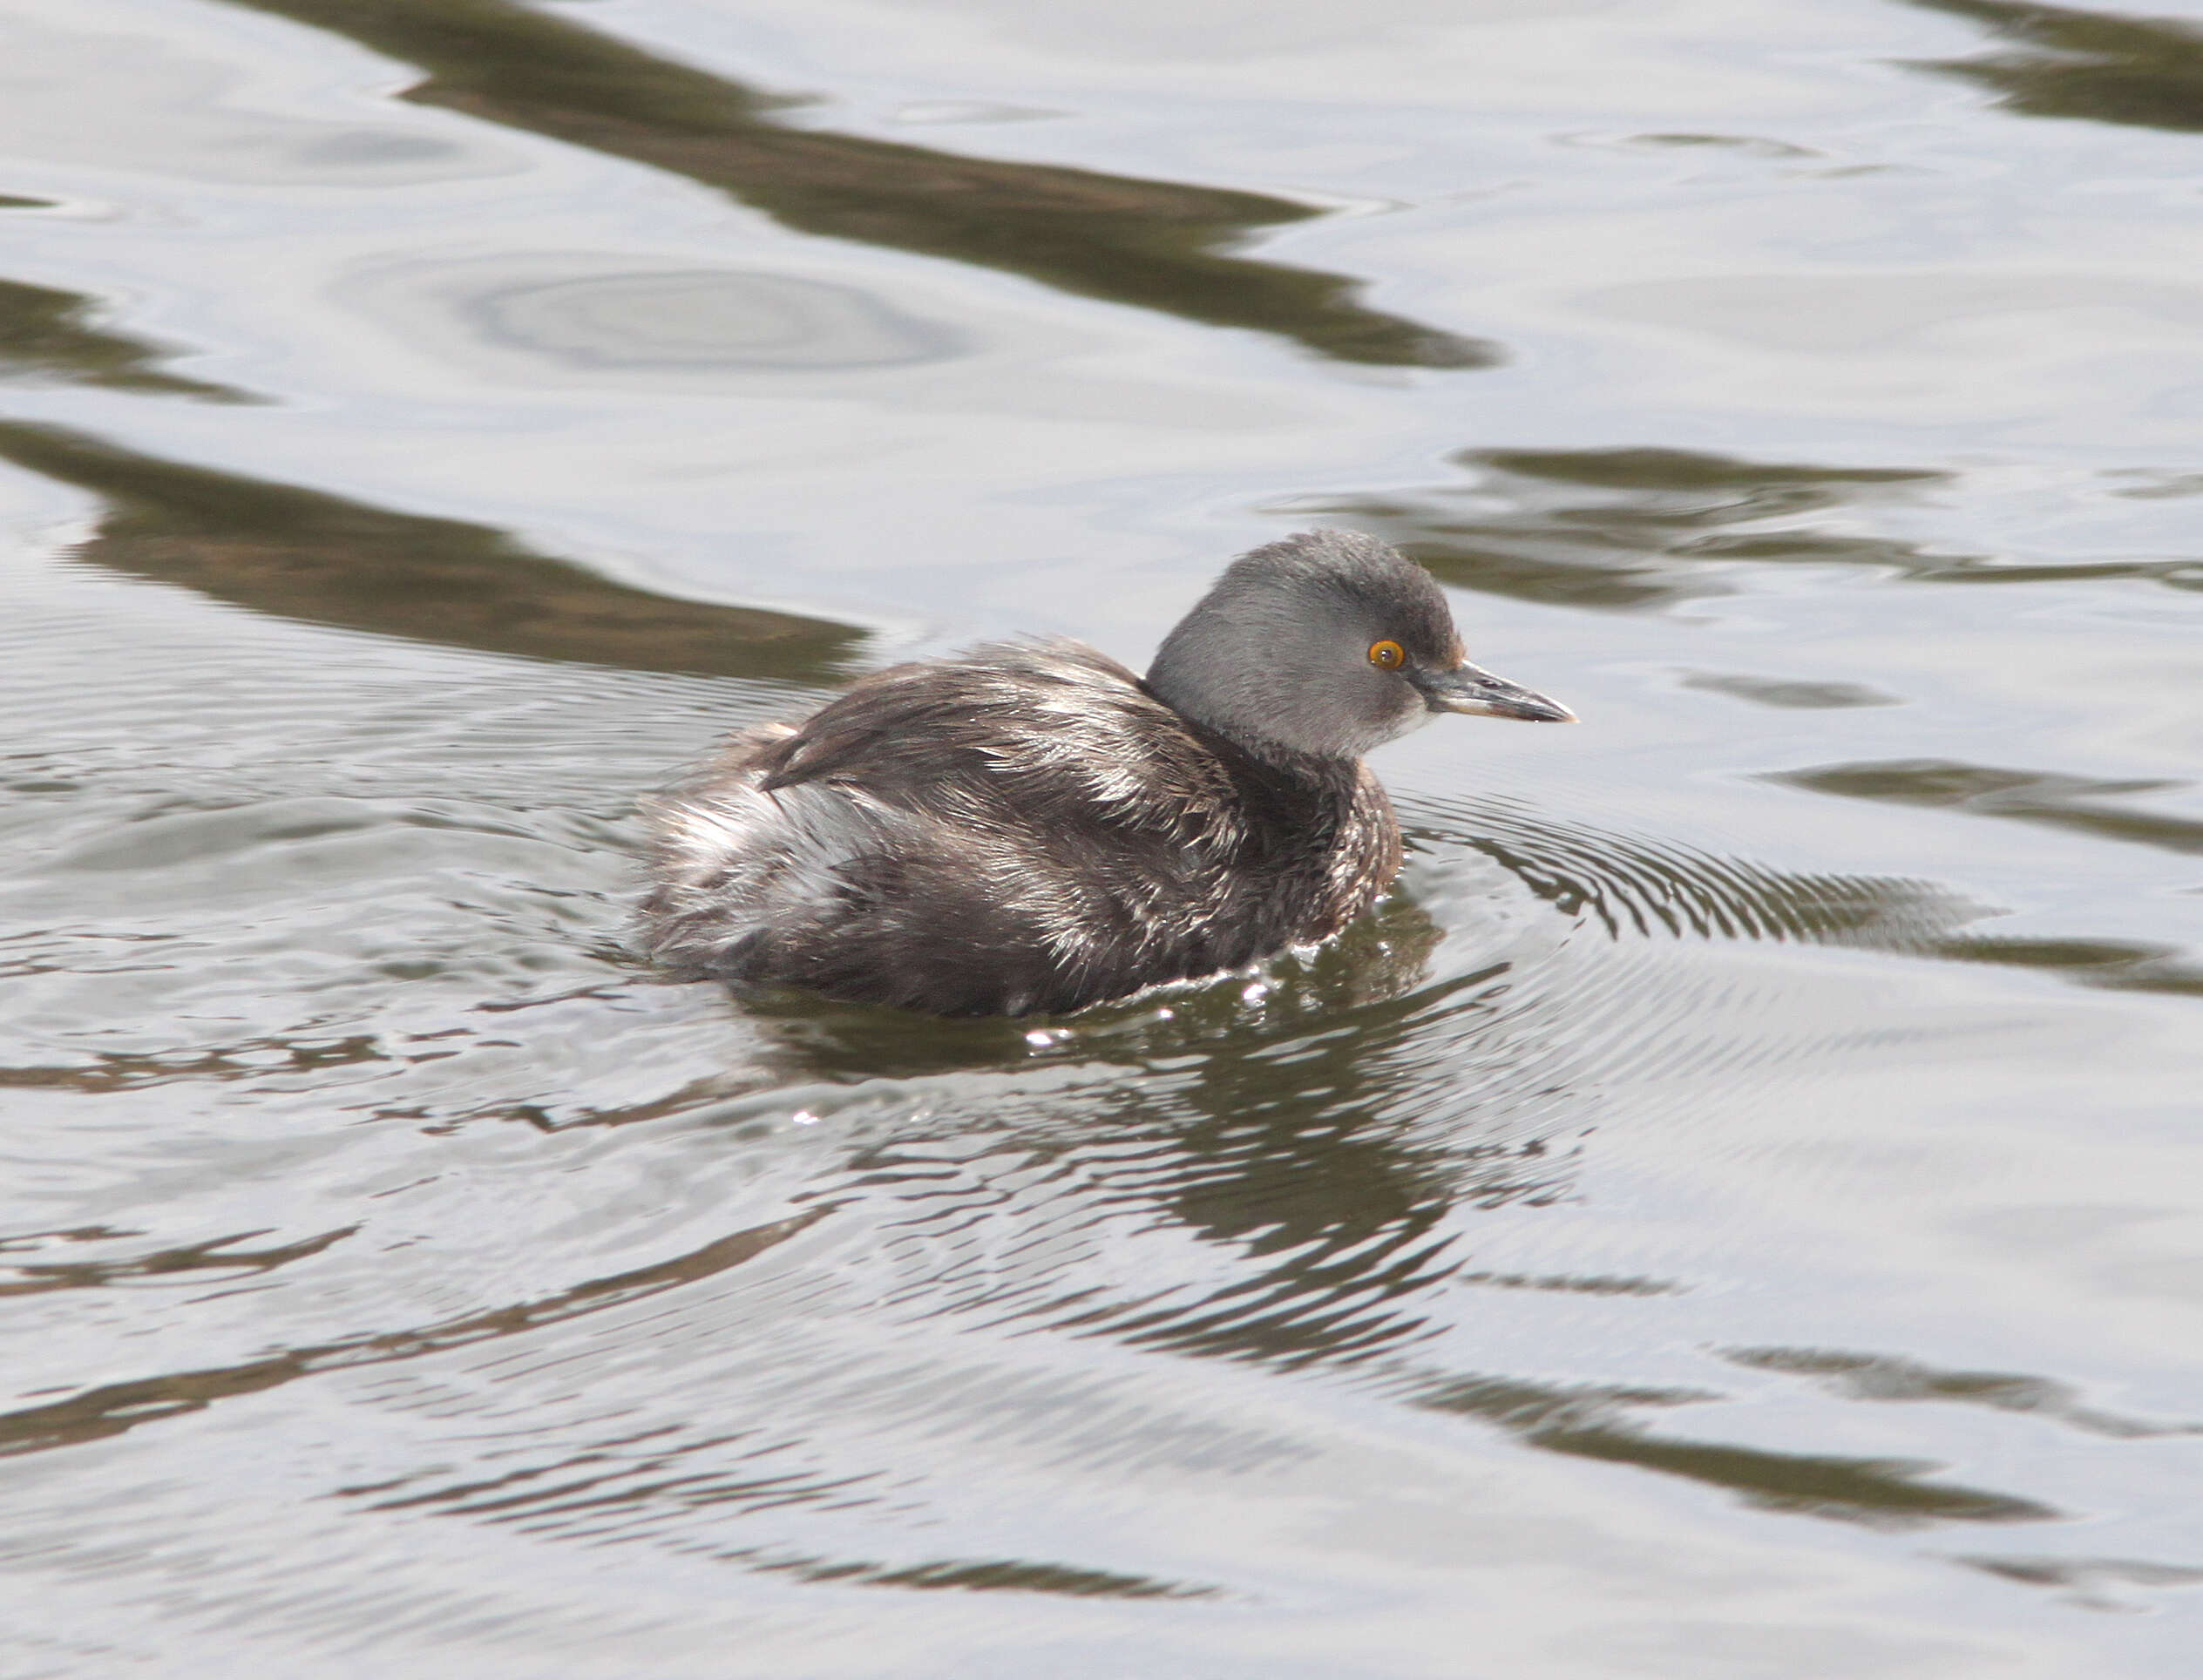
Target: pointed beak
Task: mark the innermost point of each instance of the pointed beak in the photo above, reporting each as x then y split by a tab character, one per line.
1464	689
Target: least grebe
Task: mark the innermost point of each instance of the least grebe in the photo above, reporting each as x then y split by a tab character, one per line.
1032	828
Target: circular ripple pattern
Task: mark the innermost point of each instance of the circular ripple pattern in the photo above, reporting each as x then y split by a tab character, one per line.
703	320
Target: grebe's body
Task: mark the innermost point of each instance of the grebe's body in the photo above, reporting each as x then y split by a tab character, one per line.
1033	829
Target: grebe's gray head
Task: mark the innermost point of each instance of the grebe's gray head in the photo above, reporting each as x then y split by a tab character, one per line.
1327	643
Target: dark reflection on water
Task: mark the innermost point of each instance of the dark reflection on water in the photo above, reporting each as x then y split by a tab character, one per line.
1591	1423
1156	244
249	1058
1644	528
112	1408
2114	964
1294	1114
319	558
1619	528
1000	1574
1788	695
2077	803
2094	1583
2098	67
186	1265
1873	1377
53	335
1363	974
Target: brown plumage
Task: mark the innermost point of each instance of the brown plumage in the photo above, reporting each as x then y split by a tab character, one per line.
1033	829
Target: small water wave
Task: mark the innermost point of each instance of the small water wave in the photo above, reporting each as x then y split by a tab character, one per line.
1633	884
191	1265
2068	63
1882	1377
1593	1422
1640	528
322	560
2080	804
49	334
2093	1584
113	1408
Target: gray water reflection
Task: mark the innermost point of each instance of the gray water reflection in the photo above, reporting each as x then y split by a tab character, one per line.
110	1409
2073	802
1156	244
54	334
1870	1377
1639	528
1788	695
324	559
1596	1424
2094	66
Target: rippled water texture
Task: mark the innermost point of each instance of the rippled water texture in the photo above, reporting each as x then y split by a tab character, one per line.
1736	1211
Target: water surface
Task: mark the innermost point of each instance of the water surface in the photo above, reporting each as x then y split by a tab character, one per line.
1734	1211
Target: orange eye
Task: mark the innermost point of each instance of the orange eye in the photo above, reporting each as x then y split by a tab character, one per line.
1387	655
